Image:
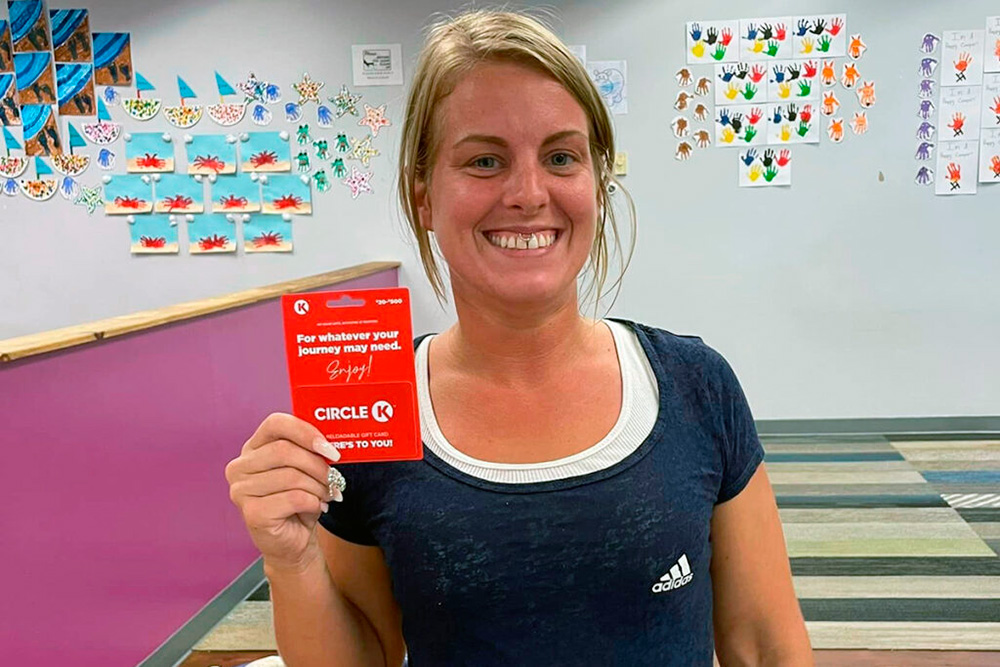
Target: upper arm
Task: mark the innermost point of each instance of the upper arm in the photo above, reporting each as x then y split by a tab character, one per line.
362	576
756	614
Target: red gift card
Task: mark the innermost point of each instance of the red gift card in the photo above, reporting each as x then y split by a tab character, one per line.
350	364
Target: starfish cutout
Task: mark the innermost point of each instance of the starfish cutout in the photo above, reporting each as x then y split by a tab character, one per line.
308	89
374	118
358	182
362	150
91	198
346	102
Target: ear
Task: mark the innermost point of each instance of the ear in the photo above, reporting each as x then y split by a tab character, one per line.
421	194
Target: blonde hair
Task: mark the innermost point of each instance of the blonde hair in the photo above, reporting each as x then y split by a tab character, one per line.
453	48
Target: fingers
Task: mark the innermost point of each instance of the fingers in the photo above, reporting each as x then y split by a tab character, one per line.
277	481
282	454
281	426
277	507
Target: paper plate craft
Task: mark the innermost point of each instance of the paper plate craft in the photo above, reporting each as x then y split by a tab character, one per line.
39	189
138	107
223	113
70	164
183	116
104	131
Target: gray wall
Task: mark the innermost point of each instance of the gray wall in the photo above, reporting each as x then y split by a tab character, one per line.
843	296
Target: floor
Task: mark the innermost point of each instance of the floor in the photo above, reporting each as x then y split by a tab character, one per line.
893	546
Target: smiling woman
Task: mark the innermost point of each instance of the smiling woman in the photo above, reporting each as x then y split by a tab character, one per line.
591	491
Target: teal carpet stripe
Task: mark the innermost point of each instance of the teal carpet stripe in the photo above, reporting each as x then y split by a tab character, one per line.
788	457
813	502
901	609
962	477
948	566
979	514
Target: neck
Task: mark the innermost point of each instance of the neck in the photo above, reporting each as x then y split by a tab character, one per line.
518	345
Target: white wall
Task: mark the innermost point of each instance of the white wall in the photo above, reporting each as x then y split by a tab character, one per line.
844	296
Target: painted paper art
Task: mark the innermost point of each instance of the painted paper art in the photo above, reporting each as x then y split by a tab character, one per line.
957	168
41	131
740	82
183	116
991	101
992	45
611	78
741	125
211	233
225	113
75	85
138	107
793	123
959	113
70	164
29	26
112	59
149	152
819	36
35	82
286	193
127	194
266	152
793	80
711	42
10	112
267	233
177	193
235	194
765	39
962	57
989	156
763	167
39	189
209	154
154	235
6	48
104	131
71	35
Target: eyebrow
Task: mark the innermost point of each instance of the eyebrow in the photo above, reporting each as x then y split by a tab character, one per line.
498	141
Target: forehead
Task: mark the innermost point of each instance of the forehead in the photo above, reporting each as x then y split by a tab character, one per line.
509	99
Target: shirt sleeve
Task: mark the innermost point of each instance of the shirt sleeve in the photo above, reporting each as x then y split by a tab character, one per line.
742	452
350	519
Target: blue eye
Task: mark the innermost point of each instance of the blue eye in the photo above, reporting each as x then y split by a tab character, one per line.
562	159
485	162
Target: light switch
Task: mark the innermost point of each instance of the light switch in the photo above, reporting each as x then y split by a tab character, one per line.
621	163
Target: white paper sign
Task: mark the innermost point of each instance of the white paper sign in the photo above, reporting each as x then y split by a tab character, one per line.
793	123
958	115
989	157
377	64
991	101
763	167
793	80
962	58
740	126
992	55
766	39
819	36
957	165
711	41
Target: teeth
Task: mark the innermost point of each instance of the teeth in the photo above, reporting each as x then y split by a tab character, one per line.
522	241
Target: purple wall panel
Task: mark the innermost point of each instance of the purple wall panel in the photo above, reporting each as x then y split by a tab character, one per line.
115	516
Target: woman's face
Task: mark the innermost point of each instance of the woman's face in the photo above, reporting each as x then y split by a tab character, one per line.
512	197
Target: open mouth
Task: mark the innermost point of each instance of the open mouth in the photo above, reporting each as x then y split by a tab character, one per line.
522	241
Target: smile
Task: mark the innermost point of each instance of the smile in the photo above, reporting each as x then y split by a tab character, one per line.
519	241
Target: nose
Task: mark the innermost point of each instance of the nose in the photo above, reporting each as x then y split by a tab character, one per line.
526	188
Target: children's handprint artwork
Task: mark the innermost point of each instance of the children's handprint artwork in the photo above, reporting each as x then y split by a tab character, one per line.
765	39
991	57
822	36
991	101
957	165
739	126
989	157
763	167
792	123
959	113
962	57
711	42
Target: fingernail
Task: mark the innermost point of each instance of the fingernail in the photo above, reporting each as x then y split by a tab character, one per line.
325	507
324	448
338	497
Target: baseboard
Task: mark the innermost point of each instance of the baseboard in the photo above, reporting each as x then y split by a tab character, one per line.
891	427
171	652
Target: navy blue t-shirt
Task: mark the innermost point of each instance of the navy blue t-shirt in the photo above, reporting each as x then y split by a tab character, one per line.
608	568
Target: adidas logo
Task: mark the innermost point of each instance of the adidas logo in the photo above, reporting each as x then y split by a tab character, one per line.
679	575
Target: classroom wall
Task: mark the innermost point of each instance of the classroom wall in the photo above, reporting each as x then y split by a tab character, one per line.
845	295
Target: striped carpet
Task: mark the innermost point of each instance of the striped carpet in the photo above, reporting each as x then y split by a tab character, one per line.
893	546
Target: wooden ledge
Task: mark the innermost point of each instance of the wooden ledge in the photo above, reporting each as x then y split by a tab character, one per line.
59	339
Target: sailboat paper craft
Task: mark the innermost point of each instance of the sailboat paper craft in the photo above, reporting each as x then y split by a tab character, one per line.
104	131
223	113
183	116
72	164
138	107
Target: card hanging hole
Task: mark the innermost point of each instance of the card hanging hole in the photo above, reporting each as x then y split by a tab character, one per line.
345	301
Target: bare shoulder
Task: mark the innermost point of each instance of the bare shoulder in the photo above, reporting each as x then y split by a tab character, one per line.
362	576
